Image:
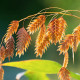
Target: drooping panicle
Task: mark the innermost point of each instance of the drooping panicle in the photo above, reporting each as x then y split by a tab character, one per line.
55	31
64	74
33	26
10	48
23	41
12	29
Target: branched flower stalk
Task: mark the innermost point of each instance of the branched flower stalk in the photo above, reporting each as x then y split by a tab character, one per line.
53	33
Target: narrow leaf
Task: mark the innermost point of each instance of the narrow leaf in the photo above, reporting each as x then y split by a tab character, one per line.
45	66
75	75
36	75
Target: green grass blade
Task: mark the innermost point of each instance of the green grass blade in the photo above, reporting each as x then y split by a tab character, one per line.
43	66
36	75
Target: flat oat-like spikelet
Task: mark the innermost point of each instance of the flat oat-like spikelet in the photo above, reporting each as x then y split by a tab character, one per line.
1	73
64	74
10	48
12	29
52	31
65	59
56	29
33	26
23	41
55	32
40	35
43	45
2	53
62	27
76	33
68	41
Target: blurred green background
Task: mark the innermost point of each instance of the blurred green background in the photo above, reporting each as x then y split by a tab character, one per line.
18	9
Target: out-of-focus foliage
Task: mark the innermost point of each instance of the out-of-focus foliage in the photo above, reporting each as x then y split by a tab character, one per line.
36	75
45	66
39	66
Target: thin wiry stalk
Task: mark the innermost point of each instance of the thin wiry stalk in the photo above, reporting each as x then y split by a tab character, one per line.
48	13
53	12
